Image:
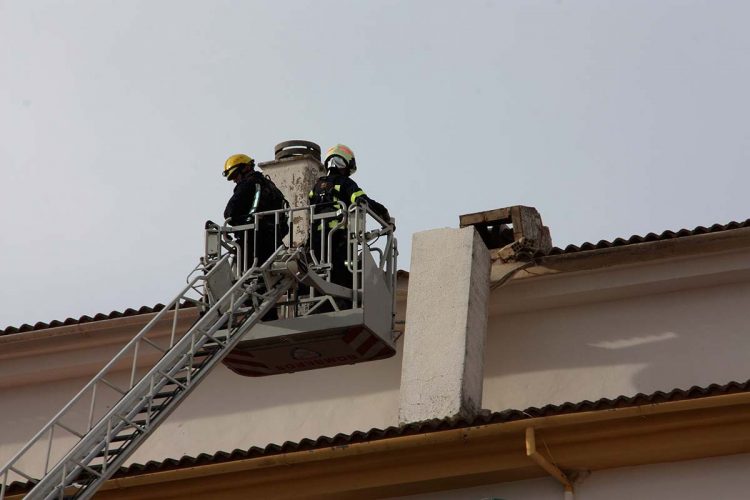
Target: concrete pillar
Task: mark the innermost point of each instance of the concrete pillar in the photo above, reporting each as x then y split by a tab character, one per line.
446	325
295	177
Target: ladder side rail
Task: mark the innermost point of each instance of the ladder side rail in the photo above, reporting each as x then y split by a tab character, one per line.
144	403
89	387
233	337
90	489
171	359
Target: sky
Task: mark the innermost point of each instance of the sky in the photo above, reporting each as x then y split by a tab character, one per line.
612	118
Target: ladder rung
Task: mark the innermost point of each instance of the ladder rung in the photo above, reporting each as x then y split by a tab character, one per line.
139	424
110	453
88	469
171	381
156	408
88	476
123	437
164	395
203	352
181	381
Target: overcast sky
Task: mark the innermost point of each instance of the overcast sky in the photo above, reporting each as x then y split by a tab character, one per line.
613	118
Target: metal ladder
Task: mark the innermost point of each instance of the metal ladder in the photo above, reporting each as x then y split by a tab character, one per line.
113	434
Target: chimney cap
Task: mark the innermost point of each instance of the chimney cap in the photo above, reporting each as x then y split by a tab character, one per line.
290	149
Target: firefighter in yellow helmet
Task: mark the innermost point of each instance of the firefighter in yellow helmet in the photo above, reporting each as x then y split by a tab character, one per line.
253	193
329	191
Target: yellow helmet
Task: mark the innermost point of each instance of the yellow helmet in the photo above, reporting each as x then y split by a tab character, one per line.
343	152
234	162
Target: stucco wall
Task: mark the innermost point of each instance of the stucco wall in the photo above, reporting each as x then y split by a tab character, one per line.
228	411
710	478
619	346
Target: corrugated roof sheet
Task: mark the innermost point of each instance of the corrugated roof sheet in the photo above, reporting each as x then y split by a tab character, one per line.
424	427
617	242
83	319
635	239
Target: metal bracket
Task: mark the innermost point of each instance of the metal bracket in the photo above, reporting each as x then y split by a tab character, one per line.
545	464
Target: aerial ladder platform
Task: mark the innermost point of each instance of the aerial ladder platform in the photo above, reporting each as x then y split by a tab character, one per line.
321	324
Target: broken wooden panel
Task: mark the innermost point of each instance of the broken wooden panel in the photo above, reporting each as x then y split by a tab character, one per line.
502	226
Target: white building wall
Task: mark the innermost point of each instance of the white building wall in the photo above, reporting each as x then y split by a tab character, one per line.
572	337
228	411
723	478
622	345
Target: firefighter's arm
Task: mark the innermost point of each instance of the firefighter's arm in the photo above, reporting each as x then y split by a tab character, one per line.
356	195
379	209
239	204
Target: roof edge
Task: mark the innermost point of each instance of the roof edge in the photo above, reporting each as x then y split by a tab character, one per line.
609	419
637	253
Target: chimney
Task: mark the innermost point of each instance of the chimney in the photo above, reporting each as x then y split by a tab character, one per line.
446	322
450	281
294	170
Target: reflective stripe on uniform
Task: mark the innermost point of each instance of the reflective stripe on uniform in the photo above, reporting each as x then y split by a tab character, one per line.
356	195
256	199
331	224
311	195
337	187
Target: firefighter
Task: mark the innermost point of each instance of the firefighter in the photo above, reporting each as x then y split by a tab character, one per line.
254	193
326	195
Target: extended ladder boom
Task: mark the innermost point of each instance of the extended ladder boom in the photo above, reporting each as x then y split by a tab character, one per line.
105	444
146	381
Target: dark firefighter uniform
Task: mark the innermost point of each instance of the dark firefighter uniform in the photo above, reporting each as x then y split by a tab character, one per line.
254	193
326	195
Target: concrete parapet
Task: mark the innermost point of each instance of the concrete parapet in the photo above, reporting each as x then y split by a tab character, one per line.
446	323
